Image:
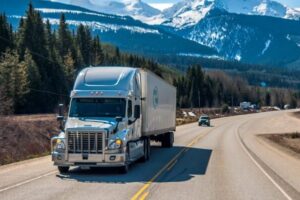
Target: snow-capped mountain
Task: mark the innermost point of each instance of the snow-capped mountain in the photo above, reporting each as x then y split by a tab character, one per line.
186	12
134	8
242	30
189	12
247	38
123	31
202	28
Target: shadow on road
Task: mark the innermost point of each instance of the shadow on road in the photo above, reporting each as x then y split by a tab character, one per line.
193	162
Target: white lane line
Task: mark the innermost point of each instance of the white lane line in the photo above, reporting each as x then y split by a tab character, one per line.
261	168
27	181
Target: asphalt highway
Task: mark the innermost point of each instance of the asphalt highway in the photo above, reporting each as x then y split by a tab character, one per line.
225	161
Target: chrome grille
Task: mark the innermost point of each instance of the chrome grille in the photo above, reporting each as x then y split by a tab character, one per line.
85	142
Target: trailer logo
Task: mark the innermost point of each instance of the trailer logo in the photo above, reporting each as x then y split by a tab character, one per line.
155	97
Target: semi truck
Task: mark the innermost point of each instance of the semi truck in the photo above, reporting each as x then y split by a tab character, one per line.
113	115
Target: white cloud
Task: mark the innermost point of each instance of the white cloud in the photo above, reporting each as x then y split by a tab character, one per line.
161	6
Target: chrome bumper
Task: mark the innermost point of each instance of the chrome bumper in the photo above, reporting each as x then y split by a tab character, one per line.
92	160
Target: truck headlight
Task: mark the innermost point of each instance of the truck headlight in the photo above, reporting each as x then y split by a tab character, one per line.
115	144
59	145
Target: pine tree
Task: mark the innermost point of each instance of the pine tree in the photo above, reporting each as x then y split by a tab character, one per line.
6	34
32	37
32	103
13	79
34	76
69	70
64	42
97	52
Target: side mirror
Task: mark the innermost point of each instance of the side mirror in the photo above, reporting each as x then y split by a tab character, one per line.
60	117
137	111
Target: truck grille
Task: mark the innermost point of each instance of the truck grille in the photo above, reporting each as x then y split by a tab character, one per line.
85	142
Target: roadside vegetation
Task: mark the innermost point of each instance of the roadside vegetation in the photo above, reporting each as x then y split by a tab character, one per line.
258	75
289	141
216	89
27	136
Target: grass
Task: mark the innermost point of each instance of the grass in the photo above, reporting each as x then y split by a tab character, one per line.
25	137
290	141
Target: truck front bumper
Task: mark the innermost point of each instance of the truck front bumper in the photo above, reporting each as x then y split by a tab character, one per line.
89	160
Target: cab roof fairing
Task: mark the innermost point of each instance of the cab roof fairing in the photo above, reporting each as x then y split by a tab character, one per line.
108	81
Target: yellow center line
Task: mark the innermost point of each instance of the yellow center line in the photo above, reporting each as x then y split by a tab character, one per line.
135	197
172	165
166	167
144	195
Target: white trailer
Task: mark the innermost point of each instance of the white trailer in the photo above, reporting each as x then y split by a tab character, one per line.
114	113
158	105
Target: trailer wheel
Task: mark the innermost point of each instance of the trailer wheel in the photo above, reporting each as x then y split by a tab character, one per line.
168	140
63	170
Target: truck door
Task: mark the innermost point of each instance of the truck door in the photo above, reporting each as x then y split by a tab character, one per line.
137	101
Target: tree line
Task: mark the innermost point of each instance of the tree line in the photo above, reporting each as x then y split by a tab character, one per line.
255	74
215	88
38	65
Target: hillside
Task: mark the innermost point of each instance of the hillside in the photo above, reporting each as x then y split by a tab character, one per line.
125	32
246	38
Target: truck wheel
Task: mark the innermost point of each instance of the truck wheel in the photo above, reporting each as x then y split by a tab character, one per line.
124	169
63	170
149	149
168	140
146	150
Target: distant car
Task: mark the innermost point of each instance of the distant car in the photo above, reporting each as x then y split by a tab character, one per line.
204	120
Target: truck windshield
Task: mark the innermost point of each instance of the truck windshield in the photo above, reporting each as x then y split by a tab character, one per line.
98	107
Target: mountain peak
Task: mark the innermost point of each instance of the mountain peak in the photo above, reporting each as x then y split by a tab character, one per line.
134	8
189	12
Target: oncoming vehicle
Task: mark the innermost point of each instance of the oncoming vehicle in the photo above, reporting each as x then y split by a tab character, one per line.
114	113
204	120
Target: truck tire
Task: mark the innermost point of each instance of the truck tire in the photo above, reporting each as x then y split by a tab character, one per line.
63	170
146	150
124	169
149	149
168	140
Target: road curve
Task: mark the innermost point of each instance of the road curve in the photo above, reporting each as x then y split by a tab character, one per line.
225	161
